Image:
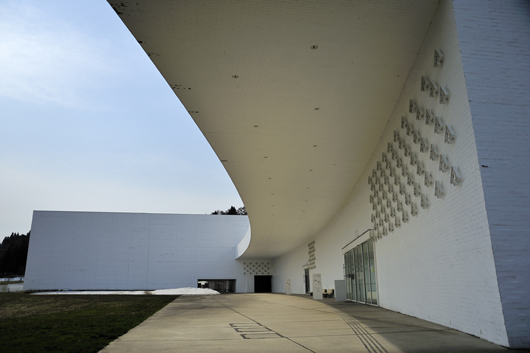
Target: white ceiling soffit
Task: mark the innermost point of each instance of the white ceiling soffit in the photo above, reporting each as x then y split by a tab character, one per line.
292	95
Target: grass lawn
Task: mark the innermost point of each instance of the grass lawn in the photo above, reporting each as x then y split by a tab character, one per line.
71	323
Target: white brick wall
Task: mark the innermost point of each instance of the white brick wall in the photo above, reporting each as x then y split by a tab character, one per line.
495	44
439	266
93	250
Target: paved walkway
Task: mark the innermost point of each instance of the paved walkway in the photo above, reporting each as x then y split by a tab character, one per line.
283	323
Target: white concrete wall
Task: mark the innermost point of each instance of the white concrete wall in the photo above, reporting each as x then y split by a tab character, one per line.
91	250
439	266
495	45
290	266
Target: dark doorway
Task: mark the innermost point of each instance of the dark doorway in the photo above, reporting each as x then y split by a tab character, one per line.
220	285
262	284
306	277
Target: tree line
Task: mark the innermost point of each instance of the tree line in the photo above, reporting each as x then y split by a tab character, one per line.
13	255
241	211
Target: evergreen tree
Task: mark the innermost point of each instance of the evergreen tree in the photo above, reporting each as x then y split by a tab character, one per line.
241	211
14	254
231	211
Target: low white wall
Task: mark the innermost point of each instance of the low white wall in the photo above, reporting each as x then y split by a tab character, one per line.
13	287
439	266
92	250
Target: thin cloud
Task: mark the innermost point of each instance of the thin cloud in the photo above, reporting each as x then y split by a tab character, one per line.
47	60
88	123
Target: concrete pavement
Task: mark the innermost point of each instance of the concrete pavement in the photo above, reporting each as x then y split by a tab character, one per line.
288	323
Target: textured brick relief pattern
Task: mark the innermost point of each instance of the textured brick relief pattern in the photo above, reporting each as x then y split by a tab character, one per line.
256	268
401	184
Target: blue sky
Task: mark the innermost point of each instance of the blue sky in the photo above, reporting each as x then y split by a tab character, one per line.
87	123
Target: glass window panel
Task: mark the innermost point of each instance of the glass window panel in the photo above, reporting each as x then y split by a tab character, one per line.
351	275
348	276
373	286
359	272
350	290
366	265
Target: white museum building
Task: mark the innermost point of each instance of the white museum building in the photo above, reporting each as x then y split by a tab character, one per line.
381	149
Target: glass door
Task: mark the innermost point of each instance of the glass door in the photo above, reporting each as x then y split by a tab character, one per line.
373	285
350	289
359	267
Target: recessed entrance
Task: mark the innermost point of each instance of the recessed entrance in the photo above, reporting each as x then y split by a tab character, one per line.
262	284
220	285
306	281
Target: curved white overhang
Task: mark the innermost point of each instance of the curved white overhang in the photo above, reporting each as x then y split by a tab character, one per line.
292	95
242	246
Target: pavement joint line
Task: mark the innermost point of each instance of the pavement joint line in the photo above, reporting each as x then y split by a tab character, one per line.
258	330
371	344
331	335
361	334
385	323
301	345
265	335
398	332
250	328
